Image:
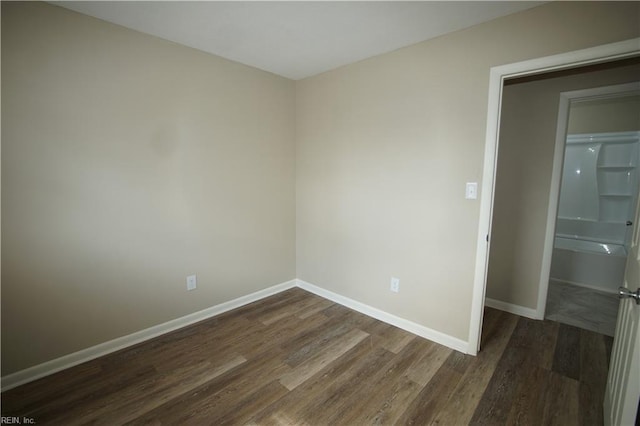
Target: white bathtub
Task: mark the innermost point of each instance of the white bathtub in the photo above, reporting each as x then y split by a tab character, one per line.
589	264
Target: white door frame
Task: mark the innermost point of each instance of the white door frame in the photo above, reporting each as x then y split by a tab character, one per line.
498	74
566	100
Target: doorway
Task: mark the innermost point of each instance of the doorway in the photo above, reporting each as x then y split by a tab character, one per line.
527	180
598	134
620	399
498	76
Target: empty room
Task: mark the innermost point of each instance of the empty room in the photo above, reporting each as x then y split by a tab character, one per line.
316	213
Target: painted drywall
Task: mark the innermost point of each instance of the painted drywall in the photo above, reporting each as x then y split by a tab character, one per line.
523	177
620	114
385	146
128	163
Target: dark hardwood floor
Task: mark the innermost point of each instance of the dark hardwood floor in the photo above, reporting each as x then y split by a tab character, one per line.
296	358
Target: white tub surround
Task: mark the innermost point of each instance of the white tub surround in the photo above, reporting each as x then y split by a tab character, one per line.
592	230
599	266
599	186
597	201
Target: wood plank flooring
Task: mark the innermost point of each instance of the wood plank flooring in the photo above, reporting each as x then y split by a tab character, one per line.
295	358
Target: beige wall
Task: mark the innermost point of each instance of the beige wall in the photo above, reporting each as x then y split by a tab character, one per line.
523	179
621	114
385	146
128	163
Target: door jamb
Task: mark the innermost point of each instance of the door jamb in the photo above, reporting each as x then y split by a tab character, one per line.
497	75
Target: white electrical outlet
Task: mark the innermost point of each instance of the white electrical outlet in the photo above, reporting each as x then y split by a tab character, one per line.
395	284
191	282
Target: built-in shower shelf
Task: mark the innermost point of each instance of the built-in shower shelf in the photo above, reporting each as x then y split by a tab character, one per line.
600	174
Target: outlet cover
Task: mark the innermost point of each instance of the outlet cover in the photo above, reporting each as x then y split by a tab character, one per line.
191	282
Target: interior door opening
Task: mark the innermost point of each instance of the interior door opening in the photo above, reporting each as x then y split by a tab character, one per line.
528	175
599	130
499	76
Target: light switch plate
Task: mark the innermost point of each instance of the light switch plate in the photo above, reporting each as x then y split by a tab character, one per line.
471	192
395	284
191	282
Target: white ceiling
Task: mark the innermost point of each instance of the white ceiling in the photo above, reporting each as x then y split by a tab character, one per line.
297	39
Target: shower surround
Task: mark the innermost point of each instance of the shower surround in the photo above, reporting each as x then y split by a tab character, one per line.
597	201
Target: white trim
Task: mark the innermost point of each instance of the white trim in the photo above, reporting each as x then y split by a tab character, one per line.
67	361
47	368
412	327
606	137
511	308
604	92
483	241
552	210
497	75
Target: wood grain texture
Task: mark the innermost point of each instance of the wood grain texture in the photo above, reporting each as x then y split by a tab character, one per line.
566	361
298	359
322	358
497	330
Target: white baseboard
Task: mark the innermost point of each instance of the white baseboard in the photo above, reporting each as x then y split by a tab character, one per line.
412	327
67	361
511	308
47	368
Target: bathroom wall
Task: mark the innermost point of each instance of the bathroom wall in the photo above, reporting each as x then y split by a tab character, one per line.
620	114
525	157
